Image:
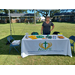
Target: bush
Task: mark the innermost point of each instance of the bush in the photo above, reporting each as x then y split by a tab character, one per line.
53	20
7	21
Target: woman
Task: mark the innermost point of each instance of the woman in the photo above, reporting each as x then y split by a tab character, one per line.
46	26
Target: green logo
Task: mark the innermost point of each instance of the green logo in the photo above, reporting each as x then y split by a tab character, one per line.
45	46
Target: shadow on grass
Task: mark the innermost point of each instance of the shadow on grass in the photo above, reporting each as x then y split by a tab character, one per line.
4	49
4	23
34	23
71	22
67	22
39	22
73	54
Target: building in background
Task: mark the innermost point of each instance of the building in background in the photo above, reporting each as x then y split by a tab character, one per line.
38	19
17	18
64	17
3	18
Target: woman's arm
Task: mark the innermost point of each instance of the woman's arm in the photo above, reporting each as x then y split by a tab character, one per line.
41	29
52	28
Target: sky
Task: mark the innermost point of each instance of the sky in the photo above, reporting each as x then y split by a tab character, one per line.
33	12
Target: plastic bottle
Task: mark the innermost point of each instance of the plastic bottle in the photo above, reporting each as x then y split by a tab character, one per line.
53	37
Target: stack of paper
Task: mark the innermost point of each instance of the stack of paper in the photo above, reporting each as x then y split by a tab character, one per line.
15	42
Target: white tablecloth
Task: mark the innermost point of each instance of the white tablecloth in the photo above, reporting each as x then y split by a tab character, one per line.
45	47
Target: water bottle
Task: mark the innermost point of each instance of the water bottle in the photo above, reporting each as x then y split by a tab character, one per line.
55	37
26	36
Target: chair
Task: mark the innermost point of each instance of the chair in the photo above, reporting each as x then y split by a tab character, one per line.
56	33
14	43
34	33
72	44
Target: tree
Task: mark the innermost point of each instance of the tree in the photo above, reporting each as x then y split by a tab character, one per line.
64	10
1	10
38	14
6	11
73	11
47	12
12	11
68	10
52	12
20	11
43	12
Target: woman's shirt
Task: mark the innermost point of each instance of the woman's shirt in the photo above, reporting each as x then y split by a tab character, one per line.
47	27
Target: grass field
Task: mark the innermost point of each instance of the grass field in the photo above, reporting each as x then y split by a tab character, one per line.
18	31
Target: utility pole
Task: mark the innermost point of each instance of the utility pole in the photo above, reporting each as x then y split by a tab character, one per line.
34	16
10	23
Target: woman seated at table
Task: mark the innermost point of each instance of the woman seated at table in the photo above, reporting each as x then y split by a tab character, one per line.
46	26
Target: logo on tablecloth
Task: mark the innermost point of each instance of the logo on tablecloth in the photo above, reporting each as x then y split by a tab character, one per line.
45	46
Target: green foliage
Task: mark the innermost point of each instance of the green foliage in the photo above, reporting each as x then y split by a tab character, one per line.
1	10
52	12
43	12
12	11
46	12
38	14
7	21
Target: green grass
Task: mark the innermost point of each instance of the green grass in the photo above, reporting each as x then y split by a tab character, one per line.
19	31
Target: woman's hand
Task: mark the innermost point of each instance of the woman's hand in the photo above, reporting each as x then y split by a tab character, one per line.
41	32
51	29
